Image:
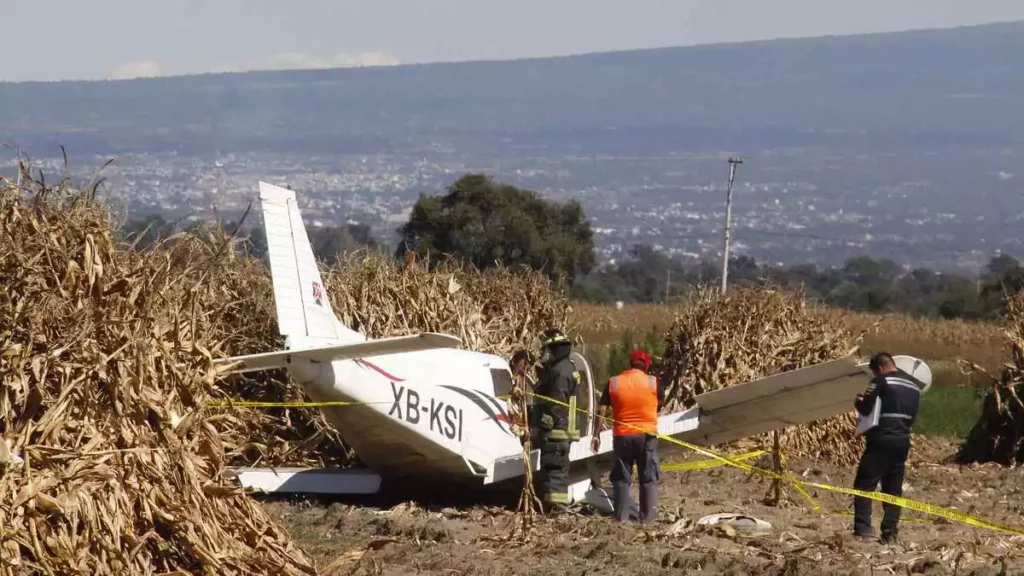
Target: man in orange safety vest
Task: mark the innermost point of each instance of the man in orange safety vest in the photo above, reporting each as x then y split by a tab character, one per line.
635	398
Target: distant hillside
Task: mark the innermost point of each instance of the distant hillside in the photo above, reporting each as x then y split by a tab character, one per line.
891	90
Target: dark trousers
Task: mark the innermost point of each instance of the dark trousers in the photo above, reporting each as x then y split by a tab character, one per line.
885	461
553	476
640	450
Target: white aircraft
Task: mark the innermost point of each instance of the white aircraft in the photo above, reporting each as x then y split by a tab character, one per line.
429	410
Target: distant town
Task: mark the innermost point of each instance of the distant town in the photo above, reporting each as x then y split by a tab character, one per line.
784	222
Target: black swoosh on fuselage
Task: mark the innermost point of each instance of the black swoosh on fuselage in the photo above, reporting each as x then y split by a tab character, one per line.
494	402
481	404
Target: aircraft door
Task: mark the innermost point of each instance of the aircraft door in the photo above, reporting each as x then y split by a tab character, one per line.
585	399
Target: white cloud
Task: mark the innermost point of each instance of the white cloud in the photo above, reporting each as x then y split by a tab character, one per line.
303	61
136	69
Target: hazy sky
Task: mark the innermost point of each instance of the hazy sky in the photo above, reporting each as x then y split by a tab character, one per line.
66	39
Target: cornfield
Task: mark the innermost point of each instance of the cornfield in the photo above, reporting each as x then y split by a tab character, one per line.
110	461
720	340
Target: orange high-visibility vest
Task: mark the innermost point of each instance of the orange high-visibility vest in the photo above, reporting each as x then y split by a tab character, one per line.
634	397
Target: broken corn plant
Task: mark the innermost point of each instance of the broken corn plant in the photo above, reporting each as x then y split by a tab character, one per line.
720	340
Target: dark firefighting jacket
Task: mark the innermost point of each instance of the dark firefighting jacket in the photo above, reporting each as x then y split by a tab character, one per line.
556	420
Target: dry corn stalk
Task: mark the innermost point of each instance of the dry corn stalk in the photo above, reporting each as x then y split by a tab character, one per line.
723	340
529	503
105	362
497	310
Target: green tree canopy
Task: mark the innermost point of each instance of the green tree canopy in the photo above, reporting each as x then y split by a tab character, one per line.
147	231
860	283
328	242
487	223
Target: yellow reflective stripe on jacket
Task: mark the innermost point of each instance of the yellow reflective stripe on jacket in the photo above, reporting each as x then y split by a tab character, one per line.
574	434
557	497
561	435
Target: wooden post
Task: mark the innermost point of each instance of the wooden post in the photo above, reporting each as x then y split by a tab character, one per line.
775	491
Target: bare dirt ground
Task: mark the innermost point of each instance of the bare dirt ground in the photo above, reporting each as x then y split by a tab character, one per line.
411	538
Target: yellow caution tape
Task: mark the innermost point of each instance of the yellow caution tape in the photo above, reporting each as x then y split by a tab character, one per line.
296	404
903	517
706	464
293	404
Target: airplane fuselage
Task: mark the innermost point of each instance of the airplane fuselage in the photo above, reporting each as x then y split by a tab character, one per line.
422	412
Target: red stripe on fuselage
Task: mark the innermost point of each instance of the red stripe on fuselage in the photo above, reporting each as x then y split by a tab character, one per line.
378	370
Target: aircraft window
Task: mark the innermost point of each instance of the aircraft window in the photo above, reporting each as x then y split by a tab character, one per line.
502	381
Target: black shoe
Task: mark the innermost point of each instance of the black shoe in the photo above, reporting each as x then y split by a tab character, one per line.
889	538
864	537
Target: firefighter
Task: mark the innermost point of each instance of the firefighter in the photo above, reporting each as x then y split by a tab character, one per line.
553	422
635	398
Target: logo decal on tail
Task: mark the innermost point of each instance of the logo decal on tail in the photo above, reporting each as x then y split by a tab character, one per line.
318	294
364	364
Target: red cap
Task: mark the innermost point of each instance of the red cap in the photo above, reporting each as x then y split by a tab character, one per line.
640	356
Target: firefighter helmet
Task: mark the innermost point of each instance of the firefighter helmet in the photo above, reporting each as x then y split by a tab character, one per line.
553	336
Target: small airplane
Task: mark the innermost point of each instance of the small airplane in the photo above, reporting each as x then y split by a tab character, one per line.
425	409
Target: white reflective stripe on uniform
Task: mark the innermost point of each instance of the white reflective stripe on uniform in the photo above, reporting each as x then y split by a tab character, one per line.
614	384
901	382
652	382
895	415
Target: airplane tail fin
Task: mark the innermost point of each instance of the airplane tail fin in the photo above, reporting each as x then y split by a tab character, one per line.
304	310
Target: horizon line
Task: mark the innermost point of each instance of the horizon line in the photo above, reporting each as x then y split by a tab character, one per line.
593	53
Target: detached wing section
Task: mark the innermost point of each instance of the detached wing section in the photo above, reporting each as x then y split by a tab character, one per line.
776	402
384	346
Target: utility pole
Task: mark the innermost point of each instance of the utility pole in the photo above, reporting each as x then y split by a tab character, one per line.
668	282
733	163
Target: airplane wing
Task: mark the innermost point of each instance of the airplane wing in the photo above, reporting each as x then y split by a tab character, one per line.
772	403
779	401
281	359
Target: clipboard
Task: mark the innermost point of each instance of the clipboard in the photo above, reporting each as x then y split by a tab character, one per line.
865	423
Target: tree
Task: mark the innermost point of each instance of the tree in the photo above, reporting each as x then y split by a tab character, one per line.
487	223
1000	265
147	231
328	242
743	269
645	273
1003	277
958	299
861	283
